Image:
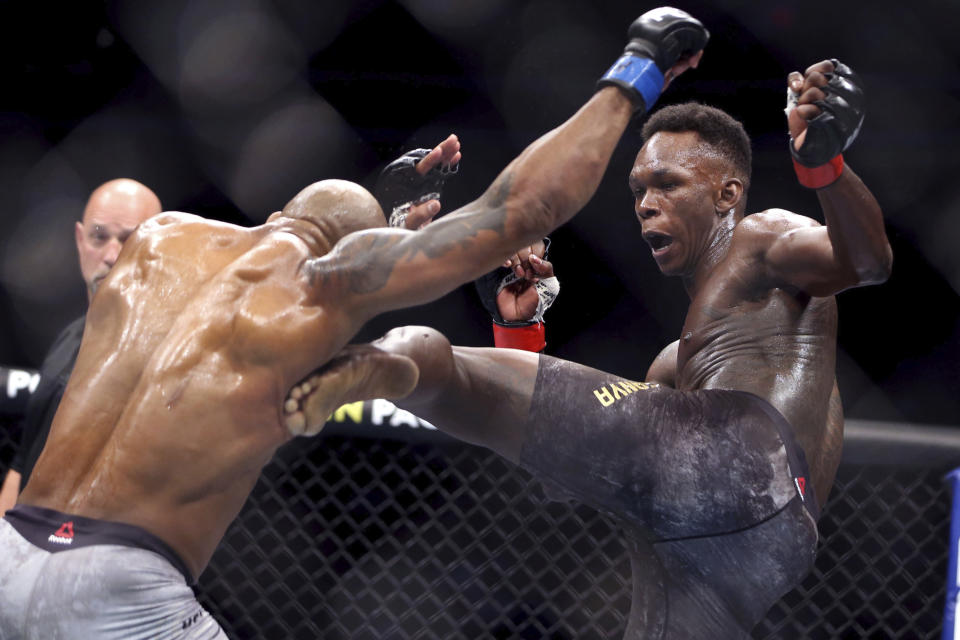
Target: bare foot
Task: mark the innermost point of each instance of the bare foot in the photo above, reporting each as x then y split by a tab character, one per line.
358	372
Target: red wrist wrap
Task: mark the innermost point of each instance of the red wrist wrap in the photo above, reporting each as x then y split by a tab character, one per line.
819	177
529	338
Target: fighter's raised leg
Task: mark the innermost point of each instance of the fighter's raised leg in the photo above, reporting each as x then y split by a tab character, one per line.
655	456
481	396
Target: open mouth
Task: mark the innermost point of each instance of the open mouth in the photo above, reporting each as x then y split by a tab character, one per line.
657	241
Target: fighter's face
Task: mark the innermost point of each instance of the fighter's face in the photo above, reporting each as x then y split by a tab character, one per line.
674	185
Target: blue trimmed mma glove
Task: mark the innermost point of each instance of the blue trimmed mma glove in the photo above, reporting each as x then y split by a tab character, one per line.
658	39
819	161
400	187
528	335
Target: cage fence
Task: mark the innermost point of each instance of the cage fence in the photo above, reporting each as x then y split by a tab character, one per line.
384	528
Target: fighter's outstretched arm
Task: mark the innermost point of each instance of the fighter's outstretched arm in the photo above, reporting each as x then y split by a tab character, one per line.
852	249
545	186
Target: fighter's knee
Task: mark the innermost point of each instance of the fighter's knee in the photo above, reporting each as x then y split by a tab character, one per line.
430	350
414	340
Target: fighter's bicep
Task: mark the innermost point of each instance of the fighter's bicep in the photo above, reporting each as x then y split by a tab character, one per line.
805	258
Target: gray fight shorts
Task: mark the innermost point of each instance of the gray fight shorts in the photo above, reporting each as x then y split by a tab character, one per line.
102	590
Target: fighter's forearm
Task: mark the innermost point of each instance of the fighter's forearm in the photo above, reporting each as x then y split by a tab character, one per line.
558	173
855	226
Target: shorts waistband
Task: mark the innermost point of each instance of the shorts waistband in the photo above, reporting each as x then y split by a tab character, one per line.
56	531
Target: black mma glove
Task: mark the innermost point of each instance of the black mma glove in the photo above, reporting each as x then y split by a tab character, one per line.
400	187
658	39
819	162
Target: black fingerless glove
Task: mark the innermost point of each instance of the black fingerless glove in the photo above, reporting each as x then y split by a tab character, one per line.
400	186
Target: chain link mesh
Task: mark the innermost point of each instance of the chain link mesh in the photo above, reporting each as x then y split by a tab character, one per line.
371	538
356	538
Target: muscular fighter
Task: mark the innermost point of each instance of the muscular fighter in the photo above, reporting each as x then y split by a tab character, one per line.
718	464
193	344
112	212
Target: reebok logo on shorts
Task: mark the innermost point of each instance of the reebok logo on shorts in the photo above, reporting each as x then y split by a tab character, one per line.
801	483
64	534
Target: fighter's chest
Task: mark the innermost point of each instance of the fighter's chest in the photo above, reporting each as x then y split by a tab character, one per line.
731	316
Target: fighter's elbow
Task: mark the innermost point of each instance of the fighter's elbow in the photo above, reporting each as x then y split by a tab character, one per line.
531	215
877	269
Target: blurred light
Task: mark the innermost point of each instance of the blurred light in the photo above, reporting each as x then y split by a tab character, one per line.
105	38
151	31
111	144
464	17
315	26
213	53
40	256
296	145
550	77
939	239
22	148
242	58
52	179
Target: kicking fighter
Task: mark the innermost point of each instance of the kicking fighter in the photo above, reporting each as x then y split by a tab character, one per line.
718	464
198	335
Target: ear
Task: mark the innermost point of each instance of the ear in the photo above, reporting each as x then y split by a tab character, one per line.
728	196
78	235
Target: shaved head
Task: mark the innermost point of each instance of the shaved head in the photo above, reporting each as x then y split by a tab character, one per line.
336	207
122	198
113	211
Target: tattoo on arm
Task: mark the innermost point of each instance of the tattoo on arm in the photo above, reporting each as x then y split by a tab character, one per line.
368	261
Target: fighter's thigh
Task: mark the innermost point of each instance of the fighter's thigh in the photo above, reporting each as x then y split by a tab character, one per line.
680	463
489	399
736	577
597	436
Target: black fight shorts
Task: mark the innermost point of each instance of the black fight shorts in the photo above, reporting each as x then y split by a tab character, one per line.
710	487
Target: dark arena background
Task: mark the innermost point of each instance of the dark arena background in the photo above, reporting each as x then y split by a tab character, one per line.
382	527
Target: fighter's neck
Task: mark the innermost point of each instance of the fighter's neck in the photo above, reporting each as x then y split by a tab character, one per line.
307	231
715	251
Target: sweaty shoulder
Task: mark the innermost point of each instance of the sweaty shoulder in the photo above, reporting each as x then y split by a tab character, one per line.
186	227
775	221
162	223
168	218
762	228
